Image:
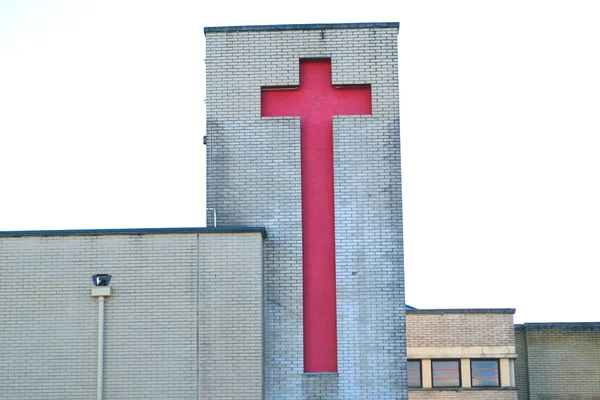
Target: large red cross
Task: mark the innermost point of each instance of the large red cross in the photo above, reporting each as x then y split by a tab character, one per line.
316	101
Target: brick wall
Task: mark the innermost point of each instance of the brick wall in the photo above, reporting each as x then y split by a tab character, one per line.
165	286
464	335
253	178
563	360
462	395
428	328
521	363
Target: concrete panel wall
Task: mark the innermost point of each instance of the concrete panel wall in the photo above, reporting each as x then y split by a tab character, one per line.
253	178
165	286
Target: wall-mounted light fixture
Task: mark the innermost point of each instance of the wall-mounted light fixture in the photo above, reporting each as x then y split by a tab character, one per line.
101	290
101	279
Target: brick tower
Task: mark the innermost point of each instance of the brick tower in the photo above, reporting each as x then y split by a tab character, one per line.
303	139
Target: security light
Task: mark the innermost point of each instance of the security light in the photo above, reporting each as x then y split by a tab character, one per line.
101	279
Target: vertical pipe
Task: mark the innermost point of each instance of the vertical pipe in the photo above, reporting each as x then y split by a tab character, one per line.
100	346
214	211
198	316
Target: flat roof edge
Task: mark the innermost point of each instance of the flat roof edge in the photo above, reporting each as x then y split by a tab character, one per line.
462	311
547	325
290	27
136	231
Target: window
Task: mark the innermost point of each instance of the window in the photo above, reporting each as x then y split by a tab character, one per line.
485	373
445	373
414	373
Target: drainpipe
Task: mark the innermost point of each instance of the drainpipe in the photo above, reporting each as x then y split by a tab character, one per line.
214	211
100	292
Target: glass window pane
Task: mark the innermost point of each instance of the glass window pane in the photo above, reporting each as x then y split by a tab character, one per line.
445	373
414	373
484	373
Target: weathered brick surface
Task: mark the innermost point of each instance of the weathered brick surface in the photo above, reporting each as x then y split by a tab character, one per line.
509	394
452	329
165	286
253	178
563	360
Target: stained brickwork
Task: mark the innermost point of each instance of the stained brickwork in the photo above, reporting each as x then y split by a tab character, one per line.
451	328
253	178
563	360
183	321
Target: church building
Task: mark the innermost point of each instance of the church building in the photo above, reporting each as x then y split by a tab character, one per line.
295	289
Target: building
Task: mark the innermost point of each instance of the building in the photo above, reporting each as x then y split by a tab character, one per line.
184	320
286	107
308	305
461	354
481	354
298	293
558	361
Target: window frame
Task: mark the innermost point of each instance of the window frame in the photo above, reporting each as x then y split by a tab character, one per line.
497	360
459	372
420	373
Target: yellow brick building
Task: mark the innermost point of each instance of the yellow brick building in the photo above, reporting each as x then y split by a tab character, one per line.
461	354
480	354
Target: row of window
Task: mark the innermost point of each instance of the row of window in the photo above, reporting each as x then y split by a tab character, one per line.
446	373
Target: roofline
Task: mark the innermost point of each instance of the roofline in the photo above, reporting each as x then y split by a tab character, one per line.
549	325
462	311
303	27
135	231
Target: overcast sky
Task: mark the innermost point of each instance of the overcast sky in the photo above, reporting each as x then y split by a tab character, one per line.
102	118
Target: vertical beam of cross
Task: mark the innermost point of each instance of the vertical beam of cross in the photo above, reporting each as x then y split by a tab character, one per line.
316	101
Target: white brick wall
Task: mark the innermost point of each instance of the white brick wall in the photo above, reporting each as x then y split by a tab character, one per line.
253	178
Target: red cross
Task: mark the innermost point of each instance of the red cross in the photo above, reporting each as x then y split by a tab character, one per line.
316	101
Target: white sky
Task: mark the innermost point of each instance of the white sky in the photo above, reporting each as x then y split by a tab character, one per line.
102	118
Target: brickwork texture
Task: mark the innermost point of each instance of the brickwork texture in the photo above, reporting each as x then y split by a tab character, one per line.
253	178
184	320
563	361
465	334
454	329
521	364
509	394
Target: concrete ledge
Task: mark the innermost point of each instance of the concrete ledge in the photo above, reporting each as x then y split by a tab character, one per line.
292	27
551	325
462	311
462	352
136	231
